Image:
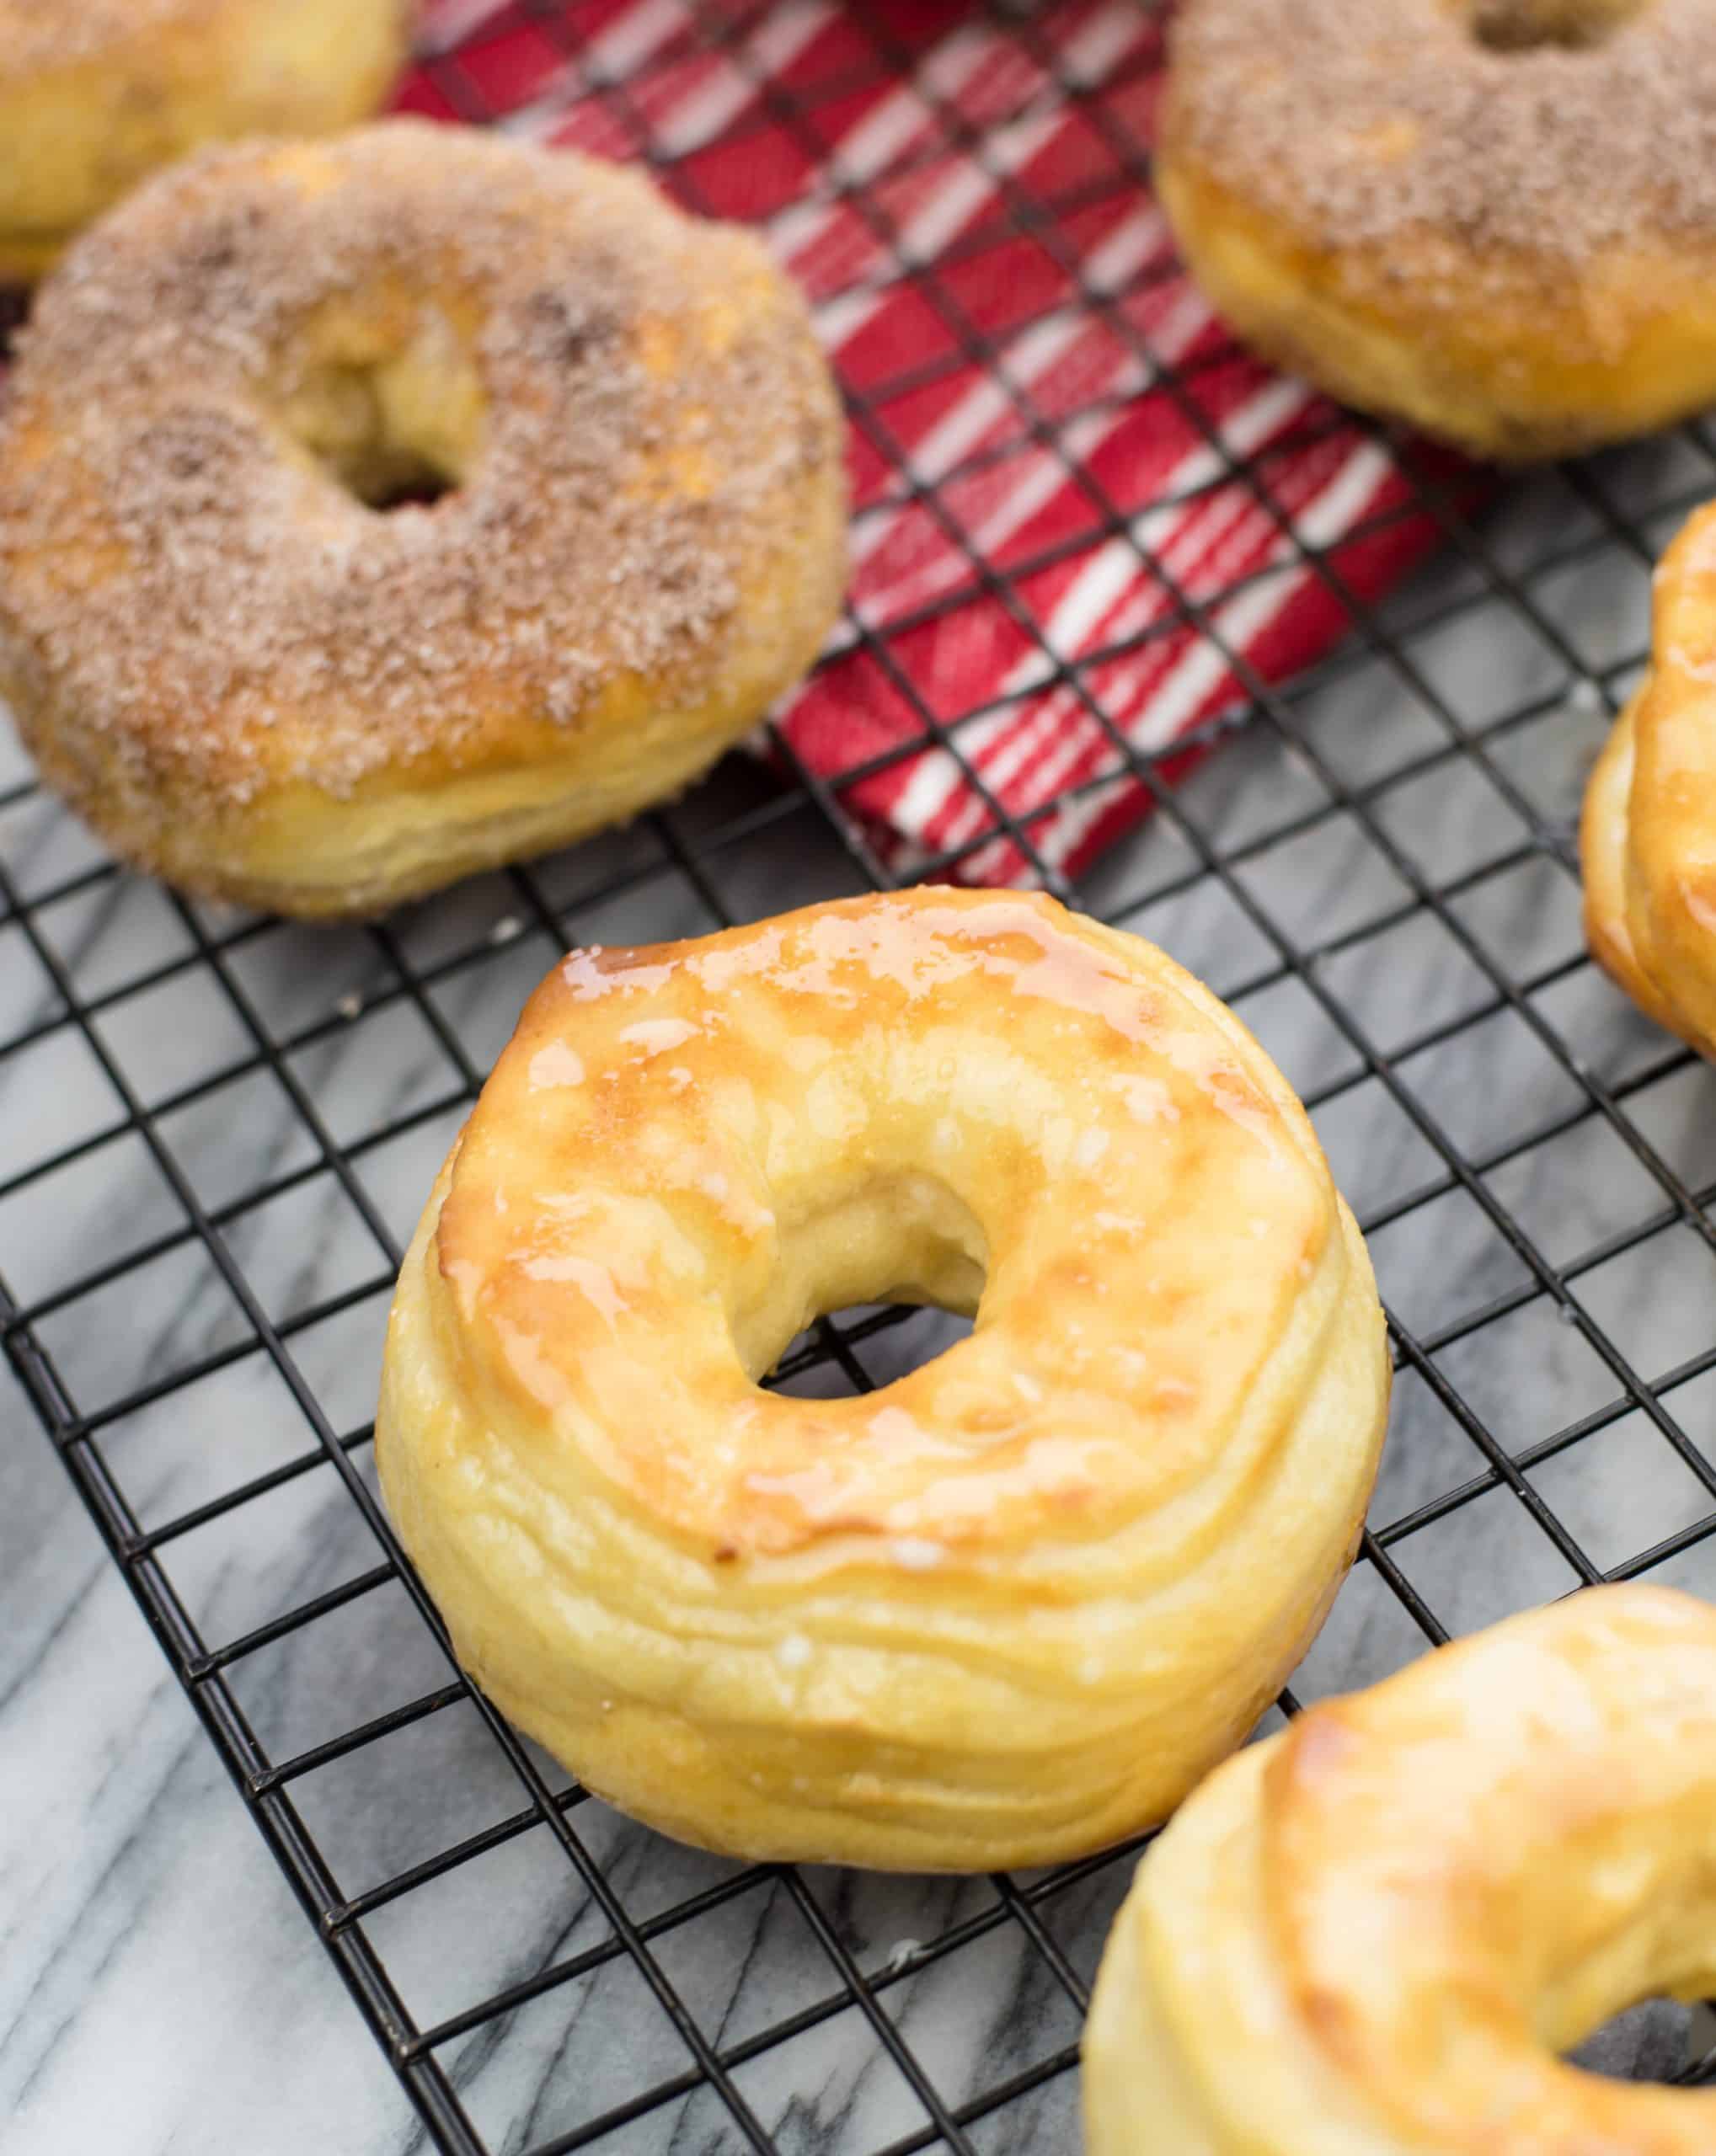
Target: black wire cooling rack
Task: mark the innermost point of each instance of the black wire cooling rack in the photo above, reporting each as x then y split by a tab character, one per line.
219	1129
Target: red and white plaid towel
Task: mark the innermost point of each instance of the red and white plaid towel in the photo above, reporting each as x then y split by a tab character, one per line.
1046	417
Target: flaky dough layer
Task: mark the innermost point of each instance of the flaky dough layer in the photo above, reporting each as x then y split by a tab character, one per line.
1647	837
1371	1936
96	94
1006	1609
1495	219
253	675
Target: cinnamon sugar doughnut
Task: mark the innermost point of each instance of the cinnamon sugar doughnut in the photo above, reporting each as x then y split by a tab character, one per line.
1495	219
253	676
1370	1935
1011	1606
95	95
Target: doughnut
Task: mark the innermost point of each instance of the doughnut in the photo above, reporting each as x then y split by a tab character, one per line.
1492	219
95	95
1005	1609
239	638
1648	834
1372	1935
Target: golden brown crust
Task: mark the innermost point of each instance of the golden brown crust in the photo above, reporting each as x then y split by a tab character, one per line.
251	680
1025	1594
1648	836
1512	245
94	97
1408	1904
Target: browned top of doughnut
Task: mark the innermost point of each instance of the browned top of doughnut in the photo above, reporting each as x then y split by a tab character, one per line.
1368	119
206	594
669	1163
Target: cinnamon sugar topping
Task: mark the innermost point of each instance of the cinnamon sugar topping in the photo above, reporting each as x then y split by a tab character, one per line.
183	569
37	36
1372	119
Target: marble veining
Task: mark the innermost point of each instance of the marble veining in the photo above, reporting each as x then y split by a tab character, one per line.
160	1991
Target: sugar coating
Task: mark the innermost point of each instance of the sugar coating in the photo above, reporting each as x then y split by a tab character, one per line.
1366	120
38	35
201	592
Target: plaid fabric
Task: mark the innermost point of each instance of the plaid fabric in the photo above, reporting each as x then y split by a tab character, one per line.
1085	526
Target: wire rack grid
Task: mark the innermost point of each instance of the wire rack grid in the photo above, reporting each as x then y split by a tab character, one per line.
232	1122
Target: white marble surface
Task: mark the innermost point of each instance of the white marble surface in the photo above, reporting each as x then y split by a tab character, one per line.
159	1989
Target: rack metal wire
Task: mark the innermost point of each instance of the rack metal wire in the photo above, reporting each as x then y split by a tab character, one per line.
1377	871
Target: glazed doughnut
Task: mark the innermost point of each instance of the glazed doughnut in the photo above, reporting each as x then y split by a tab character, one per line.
1648	836
1495	219
95	95
252	675
1370	1935
1006	1608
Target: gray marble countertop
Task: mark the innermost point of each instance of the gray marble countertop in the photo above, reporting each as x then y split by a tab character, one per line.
159	1988
161	1992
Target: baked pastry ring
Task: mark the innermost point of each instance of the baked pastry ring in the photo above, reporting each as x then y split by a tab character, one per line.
95	95
1370	1935
1010	1607
1495	219
1648	835
249	674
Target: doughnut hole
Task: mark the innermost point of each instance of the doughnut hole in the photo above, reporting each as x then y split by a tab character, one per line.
1623	1948
895	1238
391	421
1527	26
1655	2040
